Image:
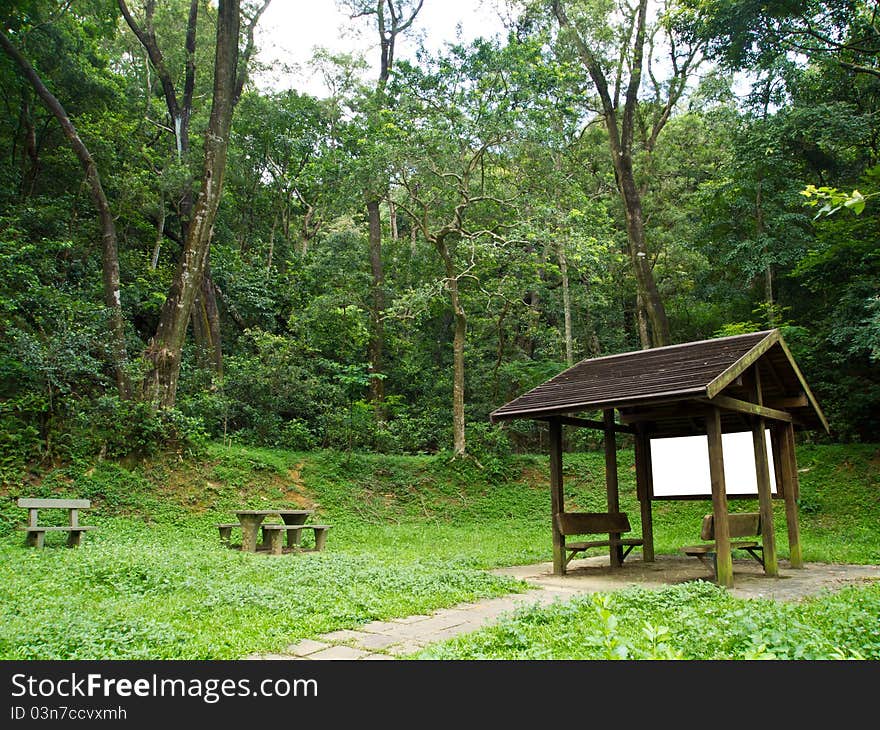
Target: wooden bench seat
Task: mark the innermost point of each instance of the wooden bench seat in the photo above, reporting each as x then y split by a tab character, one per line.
614	524
272	536
740	525
36	533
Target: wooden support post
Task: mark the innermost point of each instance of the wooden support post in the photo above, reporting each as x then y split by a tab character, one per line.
557	496
723	561
762	471
612	486
645	491
792	492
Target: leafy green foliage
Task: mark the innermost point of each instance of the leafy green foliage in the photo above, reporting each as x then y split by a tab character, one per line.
695	621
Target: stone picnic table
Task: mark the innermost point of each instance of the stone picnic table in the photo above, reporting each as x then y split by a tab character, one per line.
251	519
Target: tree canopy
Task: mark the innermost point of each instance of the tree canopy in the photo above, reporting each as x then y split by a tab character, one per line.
185	252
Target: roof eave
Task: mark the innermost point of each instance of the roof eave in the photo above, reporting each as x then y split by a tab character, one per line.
539	413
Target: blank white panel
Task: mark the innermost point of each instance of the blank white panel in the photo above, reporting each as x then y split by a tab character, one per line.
681	465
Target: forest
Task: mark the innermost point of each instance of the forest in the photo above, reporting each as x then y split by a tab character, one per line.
187	255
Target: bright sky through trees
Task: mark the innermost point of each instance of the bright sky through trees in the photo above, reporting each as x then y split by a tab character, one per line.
291	30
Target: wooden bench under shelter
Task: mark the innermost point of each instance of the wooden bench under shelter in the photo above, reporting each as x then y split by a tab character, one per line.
614	524
739	525
36	533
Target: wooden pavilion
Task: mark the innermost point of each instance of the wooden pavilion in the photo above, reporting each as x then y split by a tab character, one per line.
730	384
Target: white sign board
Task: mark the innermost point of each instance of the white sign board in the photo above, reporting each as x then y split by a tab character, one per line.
681	465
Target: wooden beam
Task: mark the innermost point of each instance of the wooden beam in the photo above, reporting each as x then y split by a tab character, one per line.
741	365
762	472
612	486
723	561
587	423
645	491
773	372
796	401
792	491
803	382
693	409
557	498
753	409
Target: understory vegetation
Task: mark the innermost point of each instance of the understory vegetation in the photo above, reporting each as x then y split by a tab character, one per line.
410	534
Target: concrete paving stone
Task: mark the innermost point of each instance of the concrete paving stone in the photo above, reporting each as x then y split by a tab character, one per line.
306	647
410	646
450	633
411	619
275	657
374	641
339	652
377	657
385	627
438	623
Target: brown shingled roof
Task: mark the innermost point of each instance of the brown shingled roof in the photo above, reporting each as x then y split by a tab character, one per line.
665	374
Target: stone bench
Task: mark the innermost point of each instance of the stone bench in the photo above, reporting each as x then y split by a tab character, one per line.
36	533
272	536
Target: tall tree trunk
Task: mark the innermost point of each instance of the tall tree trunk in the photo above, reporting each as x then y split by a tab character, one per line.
759	234
206	324
164	351
642	323
392	219
459	444
377	327
30	159
638	250
391	21
594	348
160	234
620	140
109	246
566	304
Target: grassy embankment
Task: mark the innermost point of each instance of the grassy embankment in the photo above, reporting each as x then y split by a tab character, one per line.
410	534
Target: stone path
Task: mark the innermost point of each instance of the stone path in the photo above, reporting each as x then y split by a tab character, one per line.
398	637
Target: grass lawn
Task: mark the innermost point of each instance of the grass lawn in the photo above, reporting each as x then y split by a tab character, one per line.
411	534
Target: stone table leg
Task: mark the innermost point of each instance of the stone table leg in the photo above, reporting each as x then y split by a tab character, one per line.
250	526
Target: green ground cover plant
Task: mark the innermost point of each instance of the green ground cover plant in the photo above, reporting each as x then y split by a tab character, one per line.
410	534
693	621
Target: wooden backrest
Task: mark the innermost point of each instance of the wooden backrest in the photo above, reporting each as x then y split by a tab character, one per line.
587	523
740	524
54	503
